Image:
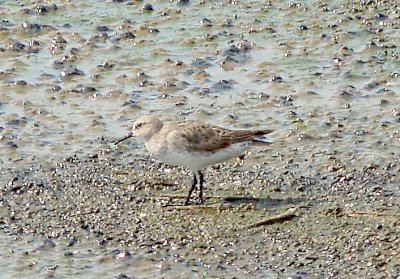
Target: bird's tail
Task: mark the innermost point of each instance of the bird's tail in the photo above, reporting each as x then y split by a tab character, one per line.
261	139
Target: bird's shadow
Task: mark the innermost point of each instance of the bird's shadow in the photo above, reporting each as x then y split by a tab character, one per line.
265	202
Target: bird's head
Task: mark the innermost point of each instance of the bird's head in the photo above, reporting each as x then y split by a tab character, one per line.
144	127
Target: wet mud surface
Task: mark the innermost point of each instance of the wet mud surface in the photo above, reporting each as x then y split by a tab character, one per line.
322	202
342	222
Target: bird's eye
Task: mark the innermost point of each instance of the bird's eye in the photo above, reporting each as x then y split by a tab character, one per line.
138	125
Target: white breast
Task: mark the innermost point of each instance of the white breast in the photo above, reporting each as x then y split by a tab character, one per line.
199	160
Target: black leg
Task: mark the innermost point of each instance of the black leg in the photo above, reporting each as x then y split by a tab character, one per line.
192	188
201	187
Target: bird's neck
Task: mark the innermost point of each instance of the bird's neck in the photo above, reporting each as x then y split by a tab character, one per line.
154	131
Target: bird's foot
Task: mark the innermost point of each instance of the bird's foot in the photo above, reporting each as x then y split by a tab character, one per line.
201	201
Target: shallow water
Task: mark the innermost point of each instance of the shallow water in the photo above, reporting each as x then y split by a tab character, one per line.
292	62
325	76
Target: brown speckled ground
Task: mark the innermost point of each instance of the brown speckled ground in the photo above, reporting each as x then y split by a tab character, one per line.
345	224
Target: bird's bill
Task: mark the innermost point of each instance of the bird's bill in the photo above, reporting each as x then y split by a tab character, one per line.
124	138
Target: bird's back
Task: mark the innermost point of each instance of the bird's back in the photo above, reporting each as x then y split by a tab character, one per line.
197	145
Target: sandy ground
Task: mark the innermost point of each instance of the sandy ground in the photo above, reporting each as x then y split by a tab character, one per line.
256	221
322	202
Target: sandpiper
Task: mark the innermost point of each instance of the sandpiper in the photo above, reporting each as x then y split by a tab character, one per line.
193	144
